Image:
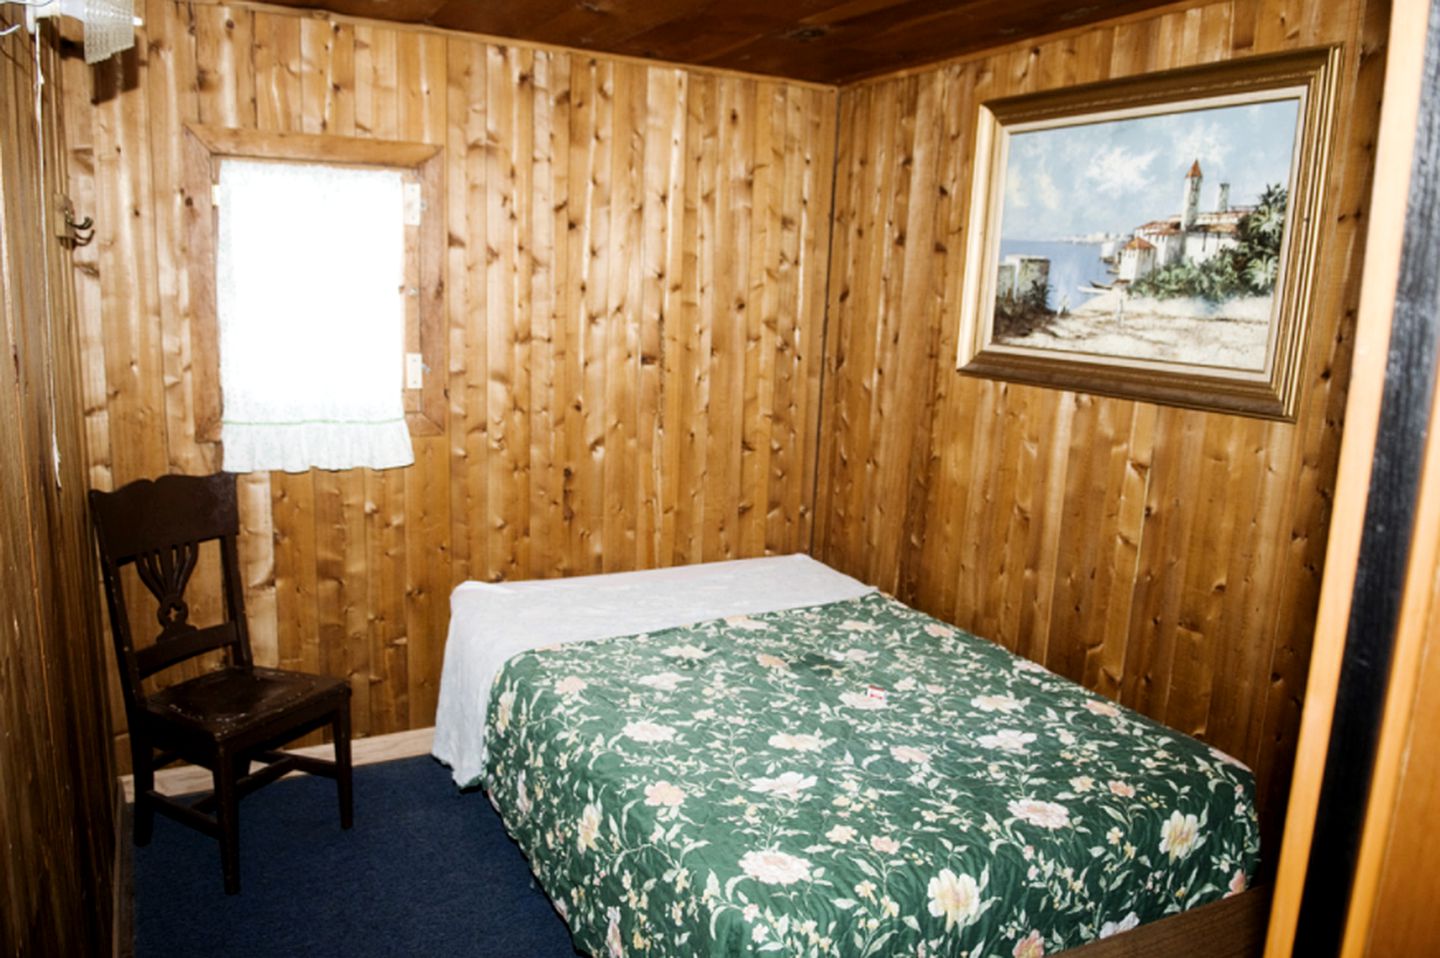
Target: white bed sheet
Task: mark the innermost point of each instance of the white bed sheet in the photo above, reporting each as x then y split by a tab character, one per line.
489	623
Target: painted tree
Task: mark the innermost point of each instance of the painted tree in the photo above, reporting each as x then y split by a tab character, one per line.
1260	233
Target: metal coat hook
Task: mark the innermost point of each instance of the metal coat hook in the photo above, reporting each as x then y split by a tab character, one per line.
75	234
81	233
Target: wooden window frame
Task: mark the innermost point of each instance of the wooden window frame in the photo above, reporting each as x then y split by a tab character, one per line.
204	149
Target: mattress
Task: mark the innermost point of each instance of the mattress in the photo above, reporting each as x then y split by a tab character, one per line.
850	777
490	622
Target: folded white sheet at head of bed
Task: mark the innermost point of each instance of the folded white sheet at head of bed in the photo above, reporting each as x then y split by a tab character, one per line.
489	623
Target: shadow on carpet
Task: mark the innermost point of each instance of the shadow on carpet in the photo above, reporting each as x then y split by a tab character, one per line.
425	870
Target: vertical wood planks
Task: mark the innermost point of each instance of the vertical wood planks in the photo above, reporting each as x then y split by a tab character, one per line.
503	320
426	548
373	581
58	799
620	316
634	262
1167	558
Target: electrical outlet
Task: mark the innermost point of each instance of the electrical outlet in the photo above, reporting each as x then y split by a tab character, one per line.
414	371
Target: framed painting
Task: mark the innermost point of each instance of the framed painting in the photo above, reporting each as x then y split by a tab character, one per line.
1153	238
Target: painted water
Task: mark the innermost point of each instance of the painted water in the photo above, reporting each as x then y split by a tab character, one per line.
1072	265
1230	335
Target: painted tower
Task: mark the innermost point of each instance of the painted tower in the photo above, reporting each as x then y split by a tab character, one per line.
1190	211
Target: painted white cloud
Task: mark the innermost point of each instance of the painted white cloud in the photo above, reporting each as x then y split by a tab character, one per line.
1110	177
1022	187
1017	197
1046	191
1205	142
1119	170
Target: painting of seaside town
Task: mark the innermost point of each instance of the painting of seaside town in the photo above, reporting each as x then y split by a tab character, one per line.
1152	238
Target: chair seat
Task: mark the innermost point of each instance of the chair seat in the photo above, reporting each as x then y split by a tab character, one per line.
230	700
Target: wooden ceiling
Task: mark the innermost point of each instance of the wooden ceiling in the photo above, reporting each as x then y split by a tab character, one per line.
826	41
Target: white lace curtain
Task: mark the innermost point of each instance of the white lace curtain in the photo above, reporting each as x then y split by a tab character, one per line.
310	270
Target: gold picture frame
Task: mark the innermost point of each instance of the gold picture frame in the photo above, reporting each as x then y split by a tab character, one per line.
1218	300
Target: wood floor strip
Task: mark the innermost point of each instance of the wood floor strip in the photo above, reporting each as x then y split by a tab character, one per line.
183	779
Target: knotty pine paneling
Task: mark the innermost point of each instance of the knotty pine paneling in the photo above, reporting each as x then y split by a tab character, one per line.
57	791
1167	558
634	283
826	41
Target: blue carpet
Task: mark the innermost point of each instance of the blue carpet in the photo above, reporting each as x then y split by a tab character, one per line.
425	870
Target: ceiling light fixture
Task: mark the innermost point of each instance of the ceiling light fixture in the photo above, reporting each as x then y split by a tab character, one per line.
109	24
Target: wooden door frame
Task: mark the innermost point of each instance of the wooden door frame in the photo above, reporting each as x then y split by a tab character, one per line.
1359	591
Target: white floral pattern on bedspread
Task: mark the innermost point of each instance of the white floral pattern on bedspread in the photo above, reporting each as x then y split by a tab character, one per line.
850	779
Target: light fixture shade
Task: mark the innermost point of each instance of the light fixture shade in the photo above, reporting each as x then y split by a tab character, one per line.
109	28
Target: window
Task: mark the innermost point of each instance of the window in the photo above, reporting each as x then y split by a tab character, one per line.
316	294
310	302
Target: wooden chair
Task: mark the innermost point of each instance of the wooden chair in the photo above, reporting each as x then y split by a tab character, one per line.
225	719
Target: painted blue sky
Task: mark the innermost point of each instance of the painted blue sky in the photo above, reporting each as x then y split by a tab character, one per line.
1111	177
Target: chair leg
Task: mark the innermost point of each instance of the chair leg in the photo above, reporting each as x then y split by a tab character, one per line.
142	761
341	728
227	814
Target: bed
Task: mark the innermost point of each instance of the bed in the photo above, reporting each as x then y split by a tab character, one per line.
766	756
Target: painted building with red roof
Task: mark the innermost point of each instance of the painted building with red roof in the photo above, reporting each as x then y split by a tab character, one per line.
1190	236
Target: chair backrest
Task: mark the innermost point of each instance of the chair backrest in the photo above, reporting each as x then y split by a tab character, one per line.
159	526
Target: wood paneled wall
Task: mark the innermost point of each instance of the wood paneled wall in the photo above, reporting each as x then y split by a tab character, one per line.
57	791
635	289
1167	558
636	285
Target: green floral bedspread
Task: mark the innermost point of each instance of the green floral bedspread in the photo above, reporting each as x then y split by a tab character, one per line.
850	779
